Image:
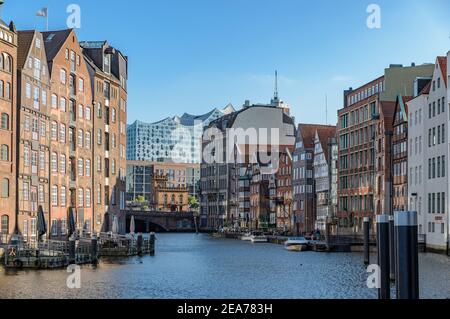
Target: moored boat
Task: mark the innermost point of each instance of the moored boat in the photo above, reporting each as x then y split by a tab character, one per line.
258	237
296	244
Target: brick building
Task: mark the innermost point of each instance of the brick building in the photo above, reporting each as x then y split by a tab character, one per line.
33	100
8	143
108	69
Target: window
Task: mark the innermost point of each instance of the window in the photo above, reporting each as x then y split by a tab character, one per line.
54	101
88	197
26	156
81	85
5	121
62	133
80	138
42	161
27	90
99	164
113	115
54	162
5	188
4	153
63	227
113	166
54	227
80	167
80	111
43	129
88	113
87	140
63	196
99	136
63	76
88	168
26	191
41	194
54	195
62	163
99	194
62	104
5	225
54	131
80	197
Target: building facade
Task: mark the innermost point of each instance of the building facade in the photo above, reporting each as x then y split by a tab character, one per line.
359	123
176	139
108	70
33	105
324	142
222	189
400	154
436	159
416	164
285	203
8	129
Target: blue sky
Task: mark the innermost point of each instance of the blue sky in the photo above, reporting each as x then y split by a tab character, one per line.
193	55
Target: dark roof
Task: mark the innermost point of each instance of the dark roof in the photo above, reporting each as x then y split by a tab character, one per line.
24	41
53	41
426	89
308	133
387	111
325	135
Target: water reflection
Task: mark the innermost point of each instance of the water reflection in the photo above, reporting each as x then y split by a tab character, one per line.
197	266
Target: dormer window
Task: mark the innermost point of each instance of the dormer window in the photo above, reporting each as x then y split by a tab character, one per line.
107	64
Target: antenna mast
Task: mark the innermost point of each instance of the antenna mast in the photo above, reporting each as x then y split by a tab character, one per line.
275	95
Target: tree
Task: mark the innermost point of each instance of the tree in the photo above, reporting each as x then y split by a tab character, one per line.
193	203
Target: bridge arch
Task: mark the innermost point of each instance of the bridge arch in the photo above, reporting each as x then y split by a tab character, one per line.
143	225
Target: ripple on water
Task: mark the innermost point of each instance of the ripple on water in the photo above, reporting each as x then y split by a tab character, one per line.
197	266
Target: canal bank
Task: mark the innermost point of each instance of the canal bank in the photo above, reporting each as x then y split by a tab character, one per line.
193	266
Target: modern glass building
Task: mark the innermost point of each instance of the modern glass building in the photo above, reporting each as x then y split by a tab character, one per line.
176	139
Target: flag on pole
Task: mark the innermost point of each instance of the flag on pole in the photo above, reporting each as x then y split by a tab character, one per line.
43	12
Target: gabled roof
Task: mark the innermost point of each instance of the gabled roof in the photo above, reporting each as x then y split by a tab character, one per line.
442	61
308	132
387	111
325	134
53	41
426	89
24	41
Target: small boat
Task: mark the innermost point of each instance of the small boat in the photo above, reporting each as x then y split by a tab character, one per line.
258	237
247	236
296	244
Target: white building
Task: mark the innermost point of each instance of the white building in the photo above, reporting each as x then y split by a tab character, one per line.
176	139
429	196
417	108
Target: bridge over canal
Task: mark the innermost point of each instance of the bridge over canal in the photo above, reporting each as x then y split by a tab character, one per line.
156	221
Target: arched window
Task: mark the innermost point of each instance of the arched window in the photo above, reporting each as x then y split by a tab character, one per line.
181	199
5	188
1	61
165	199
5	225
4	154
5	121
172	201
7	63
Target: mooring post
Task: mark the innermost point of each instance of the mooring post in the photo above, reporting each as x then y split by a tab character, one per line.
152	244
94	250
366	240
392	257
384	292
139	244
407	253
71	250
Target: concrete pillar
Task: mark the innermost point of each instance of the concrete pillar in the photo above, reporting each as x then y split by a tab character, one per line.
94	250
152	244
139	242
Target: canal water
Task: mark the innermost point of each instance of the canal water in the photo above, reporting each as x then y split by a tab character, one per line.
193	266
